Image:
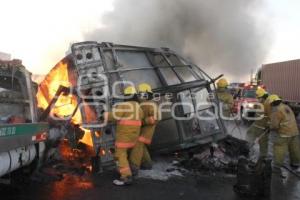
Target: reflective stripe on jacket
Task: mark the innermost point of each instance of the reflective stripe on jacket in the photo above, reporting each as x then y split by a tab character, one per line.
128	116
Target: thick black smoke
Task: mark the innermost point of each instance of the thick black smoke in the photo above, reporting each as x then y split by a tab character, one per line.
221	36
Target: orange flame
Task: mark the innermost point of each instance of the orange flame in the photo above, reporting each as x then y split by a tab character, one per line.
87	138
66	104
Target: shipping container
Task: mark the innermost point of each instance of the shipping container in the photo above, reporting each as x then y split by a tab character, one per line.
5	56
282	79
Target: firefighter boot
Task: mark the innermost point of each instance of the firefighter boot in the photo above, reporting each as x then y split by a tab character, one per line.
281	172
134	170
123	167
123	181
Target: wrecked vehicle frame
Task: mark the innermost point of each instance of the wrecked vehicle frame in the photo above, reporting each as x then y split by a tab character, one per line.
167	73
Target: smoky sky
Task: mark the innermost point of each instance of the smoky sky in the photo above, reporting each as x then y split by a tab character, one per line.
220	36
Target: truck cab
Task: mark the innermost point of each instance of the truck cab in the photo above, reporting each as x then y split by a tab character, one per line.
21	136
244	101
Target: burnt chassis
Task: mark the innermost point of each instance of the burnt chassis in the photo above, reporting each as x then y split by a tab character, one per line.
167	72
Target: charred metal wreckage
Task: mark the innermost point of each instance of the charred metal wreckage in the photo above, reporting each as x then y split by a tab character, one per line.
100	66
97	74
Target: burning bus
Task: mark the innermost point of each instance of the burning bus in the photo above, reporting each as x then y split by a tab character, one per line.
94	75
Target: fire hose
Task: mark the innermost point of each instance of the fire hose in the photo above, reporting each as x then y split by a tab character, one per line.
291	171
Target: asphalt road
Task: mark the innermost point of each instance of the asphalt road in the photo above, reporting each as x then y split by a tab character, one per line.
100	187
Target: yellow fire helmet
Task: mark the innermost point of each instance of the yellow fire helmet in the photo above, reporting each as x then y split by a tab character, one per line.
222	83
272	98
130	90
144	87
260	92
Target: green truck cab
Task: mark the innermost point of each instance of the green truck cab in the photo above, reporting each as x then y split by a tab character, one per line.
22	137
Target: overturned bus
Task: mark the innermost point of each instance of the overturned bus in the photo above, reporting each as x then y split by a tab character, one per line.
98	72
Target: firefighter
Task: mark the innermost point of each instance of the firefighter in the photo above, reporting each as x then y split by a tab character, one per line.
128	116
259	130
286	140
224	97
140	155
